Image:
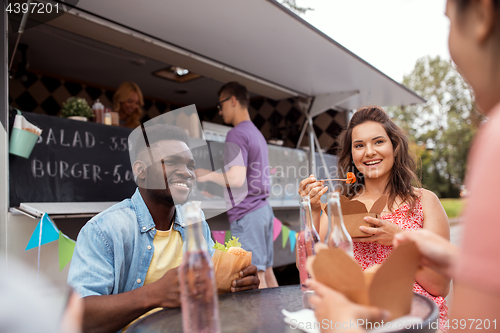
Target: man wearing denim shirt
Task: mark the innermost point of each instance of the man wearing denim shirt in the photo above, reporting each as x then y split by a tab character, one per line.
126	258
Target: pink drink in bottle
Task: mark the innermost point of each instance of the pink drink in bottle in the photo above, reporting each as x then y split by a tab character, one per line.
306	239
199	300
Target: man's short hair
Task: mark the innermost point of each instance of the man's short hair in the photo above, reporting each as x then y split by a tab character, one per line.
237	90
140	138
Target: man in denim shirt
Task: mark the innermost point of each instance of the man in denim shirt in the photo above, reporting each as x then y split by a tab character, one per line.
112	266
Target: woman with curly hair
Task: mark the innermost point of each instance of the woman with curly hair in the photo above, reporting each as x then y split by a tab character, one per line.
377	151
127	101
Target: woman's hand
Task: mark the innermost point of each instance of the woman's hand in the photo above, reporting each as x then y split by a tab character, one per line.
382	232
314	189
437	252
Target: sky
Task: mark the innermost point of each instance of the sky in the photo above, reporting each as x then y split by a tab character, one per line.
389	34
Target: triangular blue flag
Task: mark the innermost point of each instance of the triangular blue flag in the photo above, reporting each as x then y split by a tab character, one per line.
49	233
292	240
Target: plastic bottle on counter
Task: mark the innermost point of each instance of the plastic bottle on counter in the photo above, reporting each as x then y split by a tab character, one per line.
115	118
337	235
98	110
306	239
107	117
199	299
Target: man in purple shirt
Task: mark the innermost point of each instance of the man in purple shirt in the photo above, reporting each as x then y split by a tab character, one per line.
251	219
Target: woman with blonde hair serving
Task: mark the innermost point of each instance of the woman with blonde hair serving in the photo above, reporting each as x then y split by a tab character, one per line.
127	101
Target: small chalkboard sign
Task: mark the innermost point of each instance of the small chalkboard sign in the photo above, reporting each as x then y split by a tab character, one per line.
72	161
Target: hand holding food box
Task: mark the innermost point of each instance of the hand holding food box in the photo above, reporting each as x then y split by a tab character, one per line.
388	286
354	212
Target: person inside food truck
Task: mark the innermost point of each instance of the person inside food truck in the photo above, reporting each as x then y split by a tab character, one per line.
128	102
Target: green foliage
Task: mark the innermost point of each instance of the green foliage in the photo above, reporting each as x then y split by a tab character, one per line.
453	207
442	129
233	242
292	5
76	106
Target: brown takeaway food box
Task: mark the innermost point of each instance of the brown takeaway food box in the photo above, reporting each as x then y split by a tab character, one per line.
354	211
388	286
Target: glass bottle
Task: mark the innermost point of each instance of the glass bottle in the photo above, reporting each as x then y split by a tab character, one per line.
307	238
337	235
199	300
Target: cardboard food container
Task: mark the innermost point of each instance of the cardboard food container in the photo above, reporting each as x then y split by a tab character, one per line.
354	211
227	267
388	286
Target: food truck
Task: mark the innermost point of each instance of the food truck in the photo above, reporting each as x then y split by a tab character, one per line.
303	86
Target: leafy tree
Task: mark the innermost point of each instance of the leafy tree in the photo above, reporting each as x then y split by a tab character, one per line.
292	5
441	129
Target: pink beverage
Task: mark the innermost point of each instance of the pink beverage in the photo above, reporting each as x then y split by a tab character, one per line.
199	299
306	239
198	294
305	247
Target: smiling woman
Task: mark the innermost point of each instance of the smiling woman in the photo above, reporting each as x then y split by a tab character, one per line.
370	137
372	151
377	151
127	101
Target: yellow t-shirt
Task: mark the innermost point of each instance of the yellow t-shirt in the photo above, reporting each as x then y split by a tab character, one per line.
167	255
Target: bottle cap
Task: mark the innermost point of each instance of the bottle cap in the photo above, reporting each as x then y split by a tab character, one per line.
97	105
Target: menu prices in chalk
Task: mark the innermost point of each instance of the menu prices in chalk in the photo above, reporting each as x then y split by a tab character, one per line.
73	161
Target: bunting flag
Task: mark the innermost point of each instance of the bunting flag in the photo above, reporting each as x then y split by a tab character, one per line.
293	238
45	232
66	249
276	228
219	236
228	236
285	231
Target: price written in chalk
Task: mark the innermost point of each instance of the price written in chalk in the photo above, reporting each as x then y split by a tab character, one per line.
62	169
81	140
73	161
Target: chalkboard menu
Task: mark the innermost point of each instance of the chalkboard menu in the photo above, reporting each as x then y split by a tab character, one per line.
73	161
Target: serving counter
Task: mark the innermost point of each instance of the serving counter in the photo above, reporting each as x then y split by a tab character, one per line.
77	169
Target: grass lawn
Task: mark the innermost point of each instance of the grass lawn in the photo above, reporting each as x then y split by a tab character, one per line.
453	207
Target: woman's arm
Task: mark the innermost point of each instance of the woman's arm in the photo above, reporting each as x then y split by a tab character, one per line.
323	226
435	220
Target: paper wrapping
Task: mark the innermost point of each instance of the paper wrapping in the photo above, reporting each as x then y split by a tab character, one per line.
21	123
227	267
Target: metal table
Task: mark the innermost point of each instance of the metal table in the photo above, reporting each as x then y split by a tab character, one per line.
260	311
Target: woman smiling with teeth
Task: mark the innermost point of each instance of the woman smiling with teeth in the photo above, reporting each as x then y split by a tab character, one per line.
377	151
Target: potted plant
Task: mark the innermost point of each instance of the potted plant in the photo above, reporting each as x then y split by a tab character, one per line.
77	108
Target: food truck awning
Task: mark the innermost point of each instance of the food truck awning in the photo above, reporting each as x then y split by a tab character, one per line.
259	43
